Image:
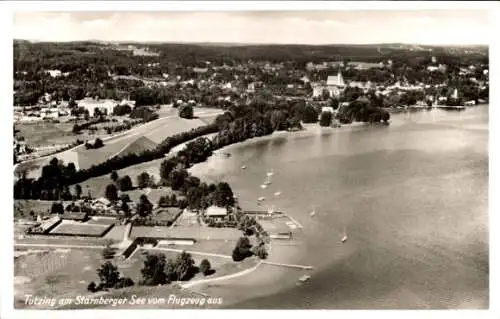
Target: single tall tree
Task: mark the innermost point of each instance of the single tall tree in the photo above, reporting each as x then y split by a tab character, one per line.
114	176
78	191
125	183
153	272
111	192
108	274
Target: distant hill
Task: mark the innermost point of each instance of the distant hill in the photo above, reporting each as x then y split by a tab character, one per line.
72	55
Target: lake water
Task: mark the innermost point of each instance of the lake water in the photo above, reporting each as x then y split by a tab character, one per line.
412	197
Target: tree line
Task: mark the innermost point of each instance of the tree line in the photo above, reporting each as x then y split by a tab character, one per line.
56	175
242	122
157	270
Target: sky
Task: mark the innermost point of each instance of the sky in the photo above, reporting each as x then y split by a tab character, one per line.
273	27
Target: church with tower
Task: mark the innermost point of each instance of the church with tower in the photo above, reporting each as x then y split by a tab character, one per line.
334	85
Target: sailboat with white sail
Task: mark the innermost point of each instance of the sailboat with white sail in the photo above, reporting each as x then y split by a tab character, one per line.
313	212
270	210
344	238
267	181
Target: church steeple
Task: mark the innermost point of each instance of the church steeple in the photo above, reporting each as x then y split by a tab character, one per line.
340	79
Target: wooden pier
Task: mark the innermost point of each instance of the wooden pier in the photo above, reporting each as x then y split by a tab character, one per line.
306	267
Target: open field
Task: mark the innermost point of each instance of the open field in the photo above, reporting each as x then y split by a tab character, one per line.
23	207
47	133
138	146
148	135
64	273
97	185
156	131
72	228
56	273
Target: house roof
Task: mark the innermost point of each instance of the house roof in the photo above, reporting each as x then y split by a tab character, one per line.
200	70
90	102
337	80
102	200
216	211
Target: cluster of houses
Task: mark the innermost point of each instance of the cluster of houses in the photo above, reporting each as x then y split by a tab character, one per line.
103	106
335	85
99	206
48	109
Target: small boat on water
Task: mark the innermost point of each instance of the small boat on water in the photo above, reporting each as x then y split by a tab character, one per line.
344	239
243	167
277	194
261	198
304	278
270	173
263	186
313	212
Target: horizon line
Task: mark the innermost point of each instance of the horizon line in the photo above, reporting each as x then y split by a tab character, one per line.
247	43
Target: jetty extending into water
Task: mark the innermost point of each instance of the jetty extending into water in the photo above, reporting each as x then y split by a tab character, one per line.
263	213
305	267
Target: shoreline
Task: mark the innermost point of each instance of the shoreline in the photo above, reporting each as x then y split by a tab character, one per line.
269	281
270	278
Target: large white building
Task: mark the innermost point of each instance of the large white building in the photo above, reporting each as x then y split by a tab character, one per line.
91	105
334	85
